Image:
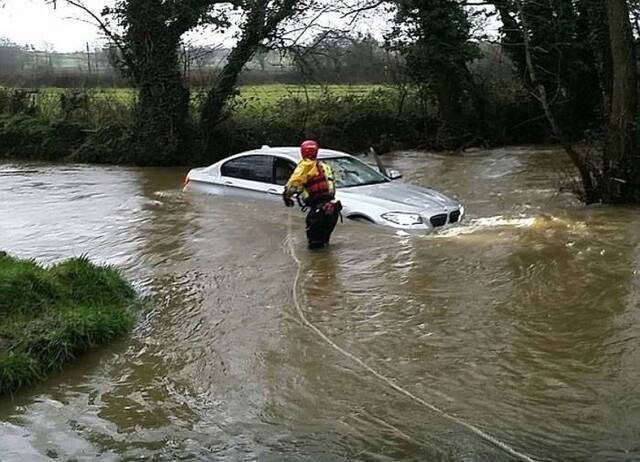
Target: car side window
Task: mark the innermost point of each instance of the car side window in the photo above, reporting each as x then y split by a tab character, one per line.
254	168
283	169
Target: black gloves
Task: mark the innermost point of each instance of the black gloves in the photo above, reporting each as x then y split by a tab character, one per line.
288	201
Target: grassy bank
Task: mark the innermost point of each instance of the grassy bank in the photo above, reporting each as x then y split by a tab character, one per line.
48	316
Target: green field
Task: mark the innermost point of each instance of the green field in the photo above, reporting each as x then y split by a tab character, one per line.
264	93
276	92
109	102
270	92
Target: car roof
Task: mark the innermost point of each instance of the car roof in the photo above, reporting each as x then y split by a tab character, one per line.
292	153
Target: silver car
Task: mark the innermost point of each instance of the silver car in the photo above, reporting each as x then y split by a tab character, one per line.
366	194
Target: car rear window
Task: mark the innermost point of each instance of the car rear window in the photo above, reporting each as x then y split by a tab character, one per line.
254	168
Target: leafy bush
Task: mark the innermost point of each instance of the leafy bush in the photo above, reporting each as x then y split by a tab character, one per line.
27	136
350	122
23	130
107	145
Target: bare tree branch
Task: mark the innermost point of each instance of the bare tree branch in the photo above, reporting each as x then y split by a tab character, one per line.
102	25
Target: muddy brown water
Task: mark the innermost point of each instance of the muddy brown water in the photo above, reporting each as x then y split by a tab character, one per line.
523	322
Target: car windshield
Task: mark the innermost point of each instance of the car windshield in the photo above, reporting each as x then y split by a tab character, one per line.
351	172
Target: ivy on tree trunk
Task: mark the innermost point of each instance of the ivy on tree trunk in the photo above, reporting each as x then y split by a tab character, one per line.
263	18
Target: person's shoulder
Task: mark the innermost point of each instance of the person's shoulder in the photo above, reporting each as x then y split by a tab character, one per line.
307	163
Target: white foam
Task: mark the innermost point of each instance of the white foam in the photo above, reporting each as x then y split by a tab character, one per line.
484	224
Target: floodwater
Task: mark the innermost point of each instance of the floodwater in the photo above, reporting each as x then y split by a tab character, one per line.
524	322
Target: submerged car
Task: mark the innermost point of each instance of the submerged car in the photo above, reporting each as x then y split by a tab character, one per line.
366	193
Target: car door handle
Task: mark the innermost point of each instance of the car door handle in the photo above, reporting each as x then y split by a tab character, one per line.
228	183
273	191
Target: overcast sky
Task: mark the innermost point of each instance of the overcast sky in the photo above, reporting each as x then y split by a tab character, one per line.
66	29
34	22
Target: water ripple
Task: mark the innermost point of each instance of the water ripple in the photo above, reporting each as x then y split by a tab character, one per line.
523	321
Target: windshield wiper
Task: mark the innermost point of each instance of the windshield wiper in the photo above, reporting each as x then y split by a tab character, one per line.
370	183
375	182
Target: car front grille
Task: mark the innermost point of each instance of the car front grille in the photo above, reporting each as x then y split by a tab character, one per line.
438	220
454	217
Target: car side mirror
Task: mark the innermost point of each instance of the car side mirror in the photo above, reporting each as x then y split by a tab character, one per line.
393	174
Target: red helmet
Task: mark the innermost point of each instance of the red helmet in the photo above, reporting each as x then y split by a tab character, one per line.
310	149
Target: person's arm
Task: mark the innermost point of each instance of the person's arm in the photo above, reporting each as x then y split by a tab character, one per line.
298	179
299	176
294	185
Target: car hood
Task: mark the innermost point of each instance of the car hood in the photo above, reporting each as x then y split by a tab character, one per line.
402	196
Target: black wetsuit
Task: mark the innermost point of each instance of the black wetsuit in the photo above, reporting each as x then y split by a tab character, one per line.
321	221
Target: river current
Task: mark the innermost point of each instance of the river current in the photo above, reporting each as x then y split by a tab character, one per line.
523	321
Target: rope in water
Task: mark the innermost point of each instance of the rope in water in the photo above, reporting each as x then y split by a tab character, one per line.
485	436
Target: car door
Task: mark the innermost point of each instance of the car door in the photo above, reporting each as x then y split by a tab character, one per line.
282	170
249	176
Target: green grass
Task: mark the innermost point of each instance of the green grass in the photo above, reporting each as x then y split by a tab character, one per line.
277	92
265	96
48	100
48	316
267	92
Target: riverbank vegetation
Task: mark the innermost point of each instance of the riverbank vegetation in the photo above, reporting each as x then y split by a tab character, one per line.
557	70
49	316
89	125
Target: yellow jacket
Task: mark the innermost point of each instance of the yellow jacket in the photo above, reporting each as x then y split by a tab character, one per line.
307	170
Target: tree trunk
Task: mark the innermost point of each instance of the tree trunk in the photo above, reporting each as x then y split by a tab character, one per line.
621	163
263	19
512	32
483	123
449	100
213	106
596	14
162	112
162	108
262	22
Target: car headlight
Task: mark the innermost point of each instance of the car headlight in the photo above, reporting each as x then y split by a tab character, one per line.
403	219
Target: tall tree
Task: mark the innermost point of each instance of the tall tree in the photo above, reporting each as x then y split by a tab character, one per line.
602	83
578	56
594	12
434	37
512	38
586	170
150	56
561	44
147	34
262	20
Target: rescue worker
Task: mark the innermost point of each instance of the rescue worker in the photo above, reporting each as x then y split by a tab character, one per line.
313	182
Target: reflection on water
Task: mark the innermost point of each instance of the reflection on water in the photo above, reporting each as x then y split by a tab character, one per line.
522	322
